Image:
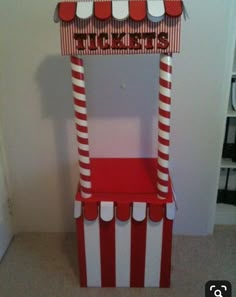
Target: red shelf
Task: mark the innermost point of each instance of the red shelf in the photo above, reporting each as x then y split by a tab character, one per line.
124	180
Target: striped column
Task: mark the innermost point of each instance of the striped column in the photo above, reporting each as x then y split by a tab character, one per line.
79	96
164	125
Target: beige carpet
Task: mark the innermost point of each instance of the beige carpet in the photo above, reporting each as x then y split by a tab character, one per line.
44	265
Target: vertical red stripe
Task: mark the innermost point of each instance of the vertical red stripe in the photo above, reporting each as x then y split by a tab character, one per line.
138	252
166	253
107	248
81	251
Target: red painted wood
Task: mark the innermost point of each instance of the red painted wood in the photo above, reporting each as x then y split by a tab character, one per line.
82	140
163	141
165	67
75	59
173	8
164	127
84	165
78	75
77	89
166	253
164	113
90	210
81	251
162	169
81	128
165	99
124	175
165	83
163	155
102	10
123	211
107	249
155	212
137	10
79	102
80	116
138	251
66	11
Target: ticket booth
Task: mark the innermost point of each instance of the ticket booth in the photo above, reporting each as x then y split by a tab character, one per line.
124	207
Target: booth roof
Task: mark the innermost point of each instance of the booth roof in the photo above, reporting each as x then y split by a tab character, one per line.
137	10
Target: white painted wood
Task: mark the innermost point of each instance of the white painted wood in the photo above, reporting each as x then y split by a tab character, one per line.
107	211
170	210
153	253
123	244
120	10
77	209
84	10
92	252
156	10
139	211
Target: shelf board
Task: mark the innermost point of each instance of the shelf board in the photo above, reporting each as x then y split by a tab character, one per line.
231	113
225	214
234	73
228	163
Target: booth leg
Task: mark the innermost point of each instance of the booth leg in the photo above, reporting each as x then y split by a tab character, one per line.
79	96
164	125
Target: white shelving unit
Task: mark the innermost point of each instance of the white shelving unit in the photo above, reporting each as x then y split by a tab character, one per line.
225	213
228	163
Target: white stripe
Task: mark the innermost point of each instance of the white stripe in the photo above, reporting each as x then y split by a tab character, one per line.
78	82
164	106
82	134
77	209
84	9
164	91
163	176
156	10
163	120
107	211
165	75
160	197
163	134
84	171
80	122
123	244
139	211
85	195
120	10
84	159
92	253
163	163
162	188
86	184
153	253
84	147
79	96
163	148
77	68
79	109
166	59
170	210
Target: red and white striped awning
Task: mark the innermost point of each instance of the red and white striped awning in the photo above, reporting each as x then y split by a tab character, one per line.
137	10
118	27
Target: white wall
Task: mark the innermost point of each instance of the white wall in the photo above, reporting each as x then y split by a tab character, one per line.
38	113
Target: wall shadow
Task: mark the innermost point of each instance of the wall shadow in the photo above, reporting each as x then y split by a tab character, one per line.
126	87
